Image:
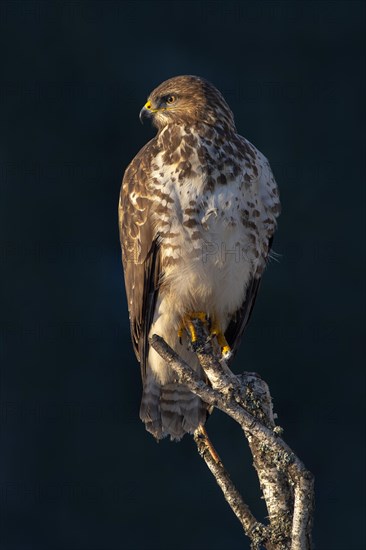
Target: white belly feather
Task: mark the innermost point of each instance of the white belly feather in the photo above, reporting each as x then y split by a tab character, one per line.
208	273
215	278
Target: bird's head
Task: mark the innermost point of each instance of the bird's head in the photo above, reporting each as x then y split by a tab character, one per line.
186	100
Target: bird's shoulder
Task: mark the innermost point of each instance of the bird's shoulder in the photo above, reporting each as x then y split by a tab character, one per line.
258	167
139	168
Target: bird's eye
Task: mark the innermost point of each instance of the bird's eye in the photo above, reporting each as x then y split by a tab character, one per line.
170	99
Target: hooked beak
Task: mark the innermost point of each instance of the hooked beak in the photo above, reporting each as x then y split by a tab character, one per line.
146	112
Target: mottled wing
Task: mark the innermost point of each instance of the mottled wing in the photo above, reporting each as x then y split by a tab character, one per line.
140	250
267	193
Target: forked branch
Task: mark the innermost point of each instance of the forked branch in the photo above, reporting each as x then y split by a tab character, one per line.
286	484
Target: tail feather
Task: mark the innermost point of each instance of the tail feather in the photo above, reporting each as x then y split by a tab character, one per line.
170	409
150	407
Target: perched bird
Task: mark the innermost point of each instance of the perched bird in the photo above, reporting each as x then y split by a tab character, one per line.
197	214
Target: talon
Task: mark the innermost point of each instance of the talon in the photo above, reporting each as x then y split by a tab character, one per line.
187	323
180	333
221	340
226	351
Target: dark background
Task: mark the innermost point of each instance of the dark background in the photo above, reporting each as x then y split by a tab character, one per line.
78	471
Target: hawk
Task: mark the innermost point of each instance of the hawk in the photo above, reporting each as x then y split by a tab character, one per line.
197	214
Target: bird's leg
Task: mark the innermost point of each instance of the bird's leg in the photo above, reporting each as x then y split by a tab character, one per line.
201	431
188	324
221	340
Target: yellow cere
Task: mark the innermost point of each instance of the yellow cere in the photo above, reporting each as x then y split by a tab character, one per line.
148	107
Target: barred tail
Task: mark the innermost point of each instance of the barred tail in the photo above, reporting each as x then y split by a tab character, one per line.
170	409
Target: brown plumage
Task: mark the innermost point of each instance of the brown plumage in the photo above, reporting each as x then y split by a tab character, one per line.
197	213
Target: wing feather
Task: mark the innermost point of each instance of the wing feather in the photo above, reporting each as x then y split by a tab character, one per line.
140	250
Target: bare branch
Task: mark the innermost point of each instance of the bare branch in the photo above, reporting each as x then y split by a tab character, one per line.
274	483
252	528
286	484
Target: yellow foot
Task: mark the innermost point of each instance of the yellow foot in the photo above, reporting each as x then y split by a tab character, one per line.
221	340
187	323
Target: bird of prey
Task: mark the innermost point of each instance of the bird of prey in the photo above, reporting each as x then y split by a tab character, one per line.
197	214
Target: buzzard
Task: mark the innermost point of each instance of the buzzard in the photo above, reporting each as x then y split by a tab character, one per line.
197	213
